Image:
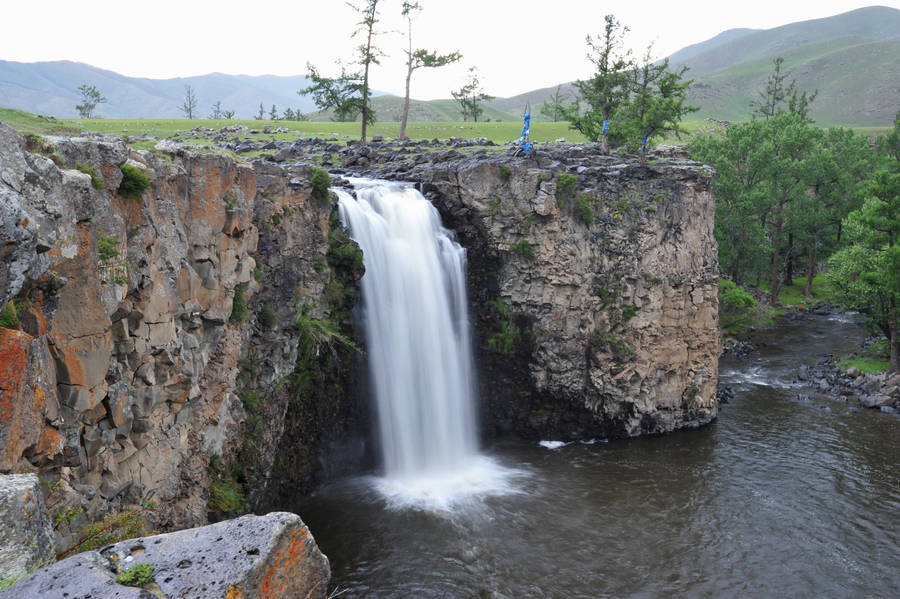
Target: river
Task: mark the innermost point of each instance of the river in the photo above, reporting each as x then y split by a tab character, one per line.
780	496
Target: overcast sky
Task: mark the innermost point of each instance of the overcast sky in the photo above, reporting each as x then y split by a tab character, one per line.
517	45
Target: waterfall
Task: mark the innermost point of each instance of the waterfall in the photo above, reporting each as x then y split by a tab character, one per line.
417	331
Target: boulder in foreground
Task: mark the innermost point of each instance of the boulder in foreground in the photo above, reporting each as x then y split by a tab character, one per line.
269	557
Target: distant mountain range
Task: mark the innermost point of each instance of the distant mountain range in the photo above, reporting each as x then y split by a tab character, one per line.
52	88
853	59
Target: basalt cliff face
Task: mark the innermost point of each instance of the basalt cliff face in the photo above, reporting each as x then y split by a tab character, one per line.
150	350
596	285
196	341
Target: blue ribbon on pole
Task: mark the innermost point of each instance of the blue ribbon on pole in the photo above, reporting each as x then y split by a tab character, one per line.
605	127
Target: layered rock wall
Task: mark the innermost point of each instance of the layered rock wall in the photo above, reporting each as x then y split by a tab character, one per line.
119	379
197	339
595	285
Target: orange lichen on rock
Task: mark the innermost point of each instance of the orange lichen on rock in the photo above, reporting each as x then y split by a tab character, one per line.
50	443
13	355
281	576
21	407
234	592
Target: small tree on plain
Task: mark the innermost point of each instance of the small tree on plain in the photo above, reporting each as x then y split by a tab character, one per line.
189	107
262	112
368	55
417	59
776	93
216	110
349	93
273	113
554	108
607	88
471	96
228	114
462	98
342	94
90	97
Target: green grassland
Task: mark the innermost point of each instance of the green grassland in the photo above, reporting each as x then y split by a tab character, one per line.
792	295
39	125
390	108
497	131
181	129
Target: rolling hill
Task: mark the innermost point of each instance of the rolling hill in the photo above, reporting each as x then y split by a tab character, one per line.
853	59
52	88
875	22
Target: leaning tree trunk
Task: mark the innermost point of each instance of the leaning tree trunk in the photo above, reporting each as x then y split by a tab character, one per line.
409	72
811	267
789	267
365	89
895	337
405	105
776	280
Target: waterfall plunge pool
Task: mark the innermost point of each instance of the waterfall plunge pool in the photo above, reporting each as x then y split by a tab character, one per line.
778	497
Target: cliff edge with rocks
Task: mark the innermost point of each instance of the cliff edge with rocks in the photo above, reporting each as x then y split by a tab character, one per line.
178	332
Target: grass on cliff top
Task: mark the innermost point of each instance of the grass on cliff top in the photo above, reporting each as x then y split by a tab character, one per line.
37	124
498	132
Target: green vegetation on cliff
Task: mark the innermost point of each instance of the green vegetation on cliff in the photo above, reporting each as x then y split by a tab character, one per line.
134	182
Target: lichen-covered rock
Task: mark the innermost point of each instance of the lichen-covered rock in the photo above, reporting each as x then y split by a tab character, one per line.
266	557
120	380
124	358
27	401
26	536
595	283
306	395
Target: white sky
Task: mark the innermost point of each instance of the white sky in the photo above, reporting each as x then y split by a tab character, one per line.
517	45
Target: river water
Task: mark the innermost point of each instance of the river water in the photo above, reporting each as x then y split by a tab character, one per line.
780	497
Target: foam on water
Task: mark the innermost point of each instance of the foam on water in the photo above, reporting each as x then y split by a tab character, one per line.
552	444
450	490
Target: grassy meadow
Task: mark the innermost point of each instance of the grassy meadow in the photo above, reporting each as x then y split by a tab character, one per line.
497	131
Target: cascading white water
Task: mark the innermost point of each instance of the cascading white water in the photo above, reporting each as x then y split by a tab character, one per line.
417	330
417	343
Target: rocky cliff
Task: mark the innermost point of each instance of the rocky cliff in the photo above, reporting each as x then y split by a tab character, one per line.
150	349
178	325
596	285
593	278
